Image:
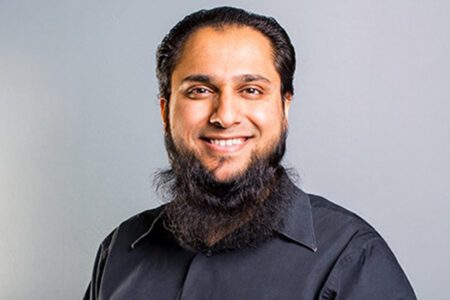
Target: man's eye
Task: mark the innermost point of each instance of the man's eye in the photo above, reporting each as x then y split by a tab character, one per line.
252	91
198	92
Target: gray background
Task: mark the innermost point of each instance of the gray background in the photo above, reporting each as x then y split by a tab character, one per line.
80	132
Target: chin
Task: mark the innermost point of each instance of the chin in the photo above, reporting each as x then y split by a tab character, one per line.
228	174
225	178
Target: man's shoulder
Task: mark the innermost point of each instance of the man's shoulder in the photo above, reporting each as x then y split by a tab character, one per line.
324	208
346	234
333	222
364	265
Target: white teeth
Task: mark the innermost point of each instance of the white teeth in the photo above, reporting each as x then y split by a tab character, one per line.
227	142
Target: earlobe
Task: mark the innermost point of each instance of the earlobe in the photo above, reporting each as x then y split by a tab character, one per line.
287	104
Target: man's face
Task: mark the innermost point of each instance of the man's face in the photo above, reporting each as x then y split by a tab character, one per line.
225	104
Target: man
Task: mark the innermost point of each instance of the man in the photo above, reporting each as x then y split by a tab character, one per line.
235	226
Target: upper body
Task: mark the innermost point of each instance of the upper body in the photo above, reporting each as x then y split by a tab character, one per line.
322	252
235	227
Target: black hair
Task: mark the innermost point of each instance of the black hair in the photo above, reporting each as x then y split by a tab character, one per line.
169	51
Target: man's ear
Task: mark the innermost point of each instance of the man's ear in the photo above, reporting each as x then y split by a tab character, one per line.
287	98
163	105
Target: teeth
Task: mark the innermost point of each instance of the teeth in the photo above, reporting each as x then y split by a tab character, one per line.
227	142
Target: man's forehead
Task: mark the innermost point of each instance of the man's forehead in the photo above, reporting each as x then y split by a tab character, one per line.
216	38
235	52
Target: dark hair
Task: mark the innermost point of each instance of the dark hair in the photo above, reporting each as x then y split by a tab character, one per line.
169	51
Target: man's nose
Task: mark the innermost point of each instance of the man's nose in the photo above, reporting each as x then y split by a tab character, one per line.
227	110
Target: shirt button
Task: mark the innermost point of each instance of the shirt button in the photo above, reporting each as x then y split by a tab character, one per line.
208	253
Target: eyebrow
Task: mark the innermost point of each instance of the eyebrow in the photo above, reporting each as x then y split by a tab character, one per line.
198	78
209	80
251	78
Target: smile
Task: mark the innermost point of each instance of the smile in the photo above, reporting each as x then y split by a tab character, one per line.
226	144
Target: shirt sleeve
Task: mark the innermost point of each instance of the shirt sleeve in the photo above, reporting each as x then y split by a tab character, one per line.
93	289
368	270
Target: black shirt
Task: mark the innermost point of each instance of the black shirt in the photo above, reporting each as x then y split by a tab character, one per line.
323	252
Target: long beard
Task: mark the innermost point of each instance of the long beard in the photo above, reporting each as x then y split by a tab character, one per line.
200	206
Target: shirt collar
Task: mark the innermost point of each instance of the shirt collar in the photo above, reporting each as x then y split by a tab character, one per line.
298	224
156	223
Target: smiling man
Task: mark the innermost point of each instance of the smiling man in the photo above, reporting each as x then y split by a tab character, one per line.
226	99
235	226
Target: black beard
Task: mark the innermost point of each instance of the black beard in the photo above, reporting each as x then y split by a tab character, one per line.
254	202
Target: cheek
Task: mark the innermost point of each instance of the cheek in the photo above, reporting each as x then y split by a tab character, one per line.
268	118
186	117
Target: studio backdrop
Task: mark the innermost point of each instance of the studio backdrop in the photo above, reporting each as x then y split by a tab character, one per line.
81	134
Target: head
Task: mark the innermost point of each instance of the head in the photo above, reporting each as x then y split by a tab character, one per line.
170	50
225	78
199	59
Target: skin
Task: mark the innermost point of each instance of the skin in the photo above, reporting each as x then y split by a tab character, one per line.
226	87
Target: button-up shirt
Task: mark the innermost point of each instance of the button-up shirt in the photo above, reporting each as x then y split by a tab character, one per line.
323	251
